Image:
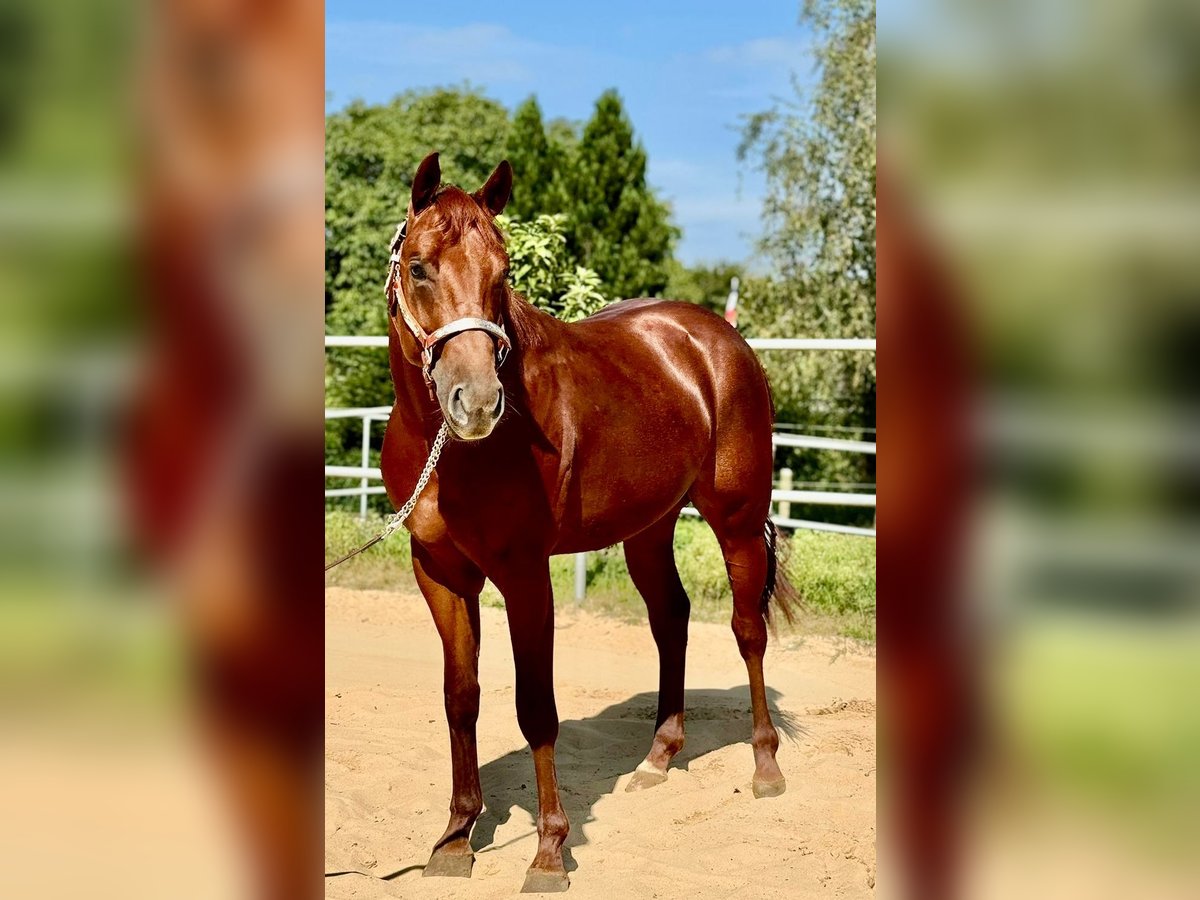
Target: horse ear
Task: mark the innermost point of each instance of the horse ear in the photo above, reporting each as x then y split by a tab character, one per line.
426	182
497	189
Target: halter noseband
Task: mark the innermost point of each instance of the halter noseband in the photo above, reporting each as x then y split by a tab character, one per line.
431	341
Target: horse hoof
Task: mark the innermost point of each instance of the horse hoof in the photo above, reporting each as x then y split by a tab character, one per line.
539	881
642	780
768	788
645	776
449	865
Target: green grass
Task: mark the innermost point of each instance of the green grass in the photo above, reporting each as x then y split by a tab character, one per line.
834	574
1101	712
110	654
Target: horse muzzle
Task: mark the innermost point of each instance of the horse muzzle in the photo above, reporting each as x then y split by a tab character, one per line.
468	387
472	410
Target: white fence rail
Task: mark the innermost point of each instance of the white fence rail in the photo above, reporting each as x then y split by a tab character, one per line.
375	340
816	498
784	497
822	443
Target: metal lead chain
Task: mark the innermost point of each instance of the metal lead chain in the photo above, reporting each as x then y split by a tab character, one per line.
396	519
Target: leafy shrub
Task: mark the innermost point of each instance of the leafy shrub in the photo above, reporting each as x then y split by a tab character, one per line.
543	271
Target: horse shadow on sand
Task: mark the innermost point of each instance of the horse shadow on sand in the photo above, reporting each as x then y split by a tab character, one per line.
596	751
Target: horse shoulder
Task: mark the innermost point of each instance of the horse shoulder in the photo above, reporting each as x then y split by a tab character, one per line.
401	461
426	523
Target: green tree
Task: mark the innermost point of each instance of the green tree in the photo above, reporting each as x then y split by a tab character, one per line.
818	154
537	165
616	224
563	134
704	283
819	159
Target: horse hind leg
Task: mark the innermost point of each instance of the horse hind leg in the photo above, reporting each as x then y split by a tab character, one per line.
739	525
651	563
747	558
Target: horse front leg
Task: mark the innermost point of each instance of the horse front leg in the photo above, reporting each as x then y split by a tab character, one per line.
529	601
451	587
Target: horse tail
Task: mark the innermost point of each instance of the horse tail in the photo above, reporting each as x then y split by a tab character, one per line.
778	587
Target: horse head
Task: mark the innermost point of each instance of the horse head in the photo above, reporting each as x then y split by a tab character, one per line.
447	290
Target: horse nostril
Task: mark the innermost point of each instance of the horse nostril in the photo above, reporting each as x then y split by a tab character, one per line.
499	407
458	410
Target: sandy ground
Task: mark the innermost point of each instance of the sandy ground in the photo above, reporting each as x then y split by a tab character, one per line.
114	809
701	834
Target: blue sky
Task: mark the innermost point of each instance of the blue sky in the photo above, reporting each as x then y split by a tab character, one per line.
687	73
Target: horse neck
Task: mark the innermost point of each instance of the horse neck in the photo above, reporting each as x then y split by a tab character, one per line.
532	332
413	401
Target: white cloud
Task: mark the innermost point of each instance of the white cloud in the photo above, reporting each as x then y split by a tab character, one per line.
772	53
481	52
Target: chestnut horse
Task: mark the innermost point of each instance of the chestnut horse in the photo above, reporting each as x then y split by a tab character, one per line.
589	434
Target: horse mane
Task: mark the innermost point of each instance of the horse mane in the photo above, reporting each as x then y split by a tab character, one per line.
523	317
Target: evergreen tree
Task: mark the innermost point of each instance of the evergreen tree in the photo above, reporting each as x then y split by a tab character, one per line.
617	226
533	159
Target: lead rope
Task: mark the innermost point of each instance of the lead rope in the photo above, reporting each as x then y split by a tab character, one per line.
396	519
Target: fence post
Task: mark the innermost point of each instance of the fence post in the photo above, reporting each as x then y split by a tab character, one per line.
366	462
580	576
731	304
785	484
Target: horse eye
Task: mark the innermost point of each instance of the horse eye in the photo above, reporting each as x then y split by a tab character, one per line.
417	271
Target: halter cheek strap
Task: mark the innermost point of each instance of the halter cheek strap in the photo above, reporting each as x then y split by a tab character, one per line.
431	341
